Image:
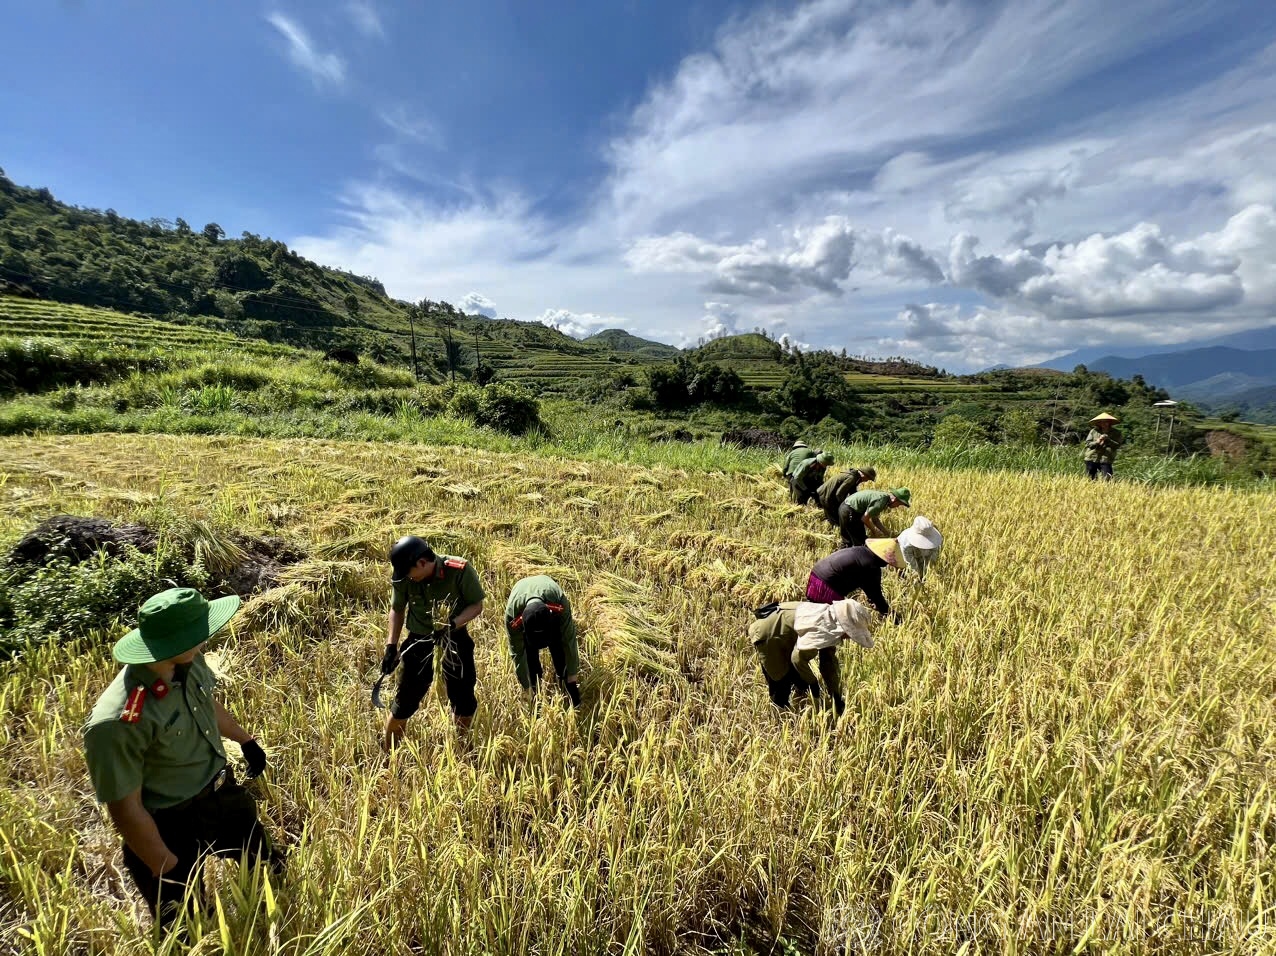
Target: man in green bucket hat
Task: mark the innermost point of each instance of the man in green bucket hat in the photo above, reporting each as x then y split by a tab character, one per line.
153	745
857	515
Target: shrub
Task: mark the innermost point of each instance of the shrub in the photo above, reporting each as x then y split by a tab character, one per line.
509	408
956	430
36	365
466	401
65	600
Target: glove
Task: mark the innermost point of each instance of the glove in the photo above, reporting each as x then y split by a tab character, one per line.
254	756
390	659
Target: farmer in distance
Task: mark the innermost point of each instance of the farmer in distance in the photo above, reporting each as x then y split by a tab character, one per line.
857	515
154	749
807	477
838	488
425	585
538	616
1101	446
788	636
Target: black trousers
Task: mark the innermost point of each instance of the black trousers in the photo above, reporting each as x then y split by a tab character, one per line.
456	659
1094	468
781	690
851	523
222	823
557	656
800	493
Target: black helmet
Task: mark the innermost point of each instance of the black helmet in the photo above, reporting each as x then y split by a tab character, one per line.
540	624
404	555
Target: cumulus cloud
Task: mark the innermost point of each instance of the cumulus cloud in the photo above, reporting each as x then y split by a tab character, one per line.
815	259
1135	272
323	68
365	18
476	303
719	320
579	325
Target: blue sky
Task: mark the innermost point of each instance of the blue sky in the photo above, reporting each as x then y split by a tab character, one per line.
967	181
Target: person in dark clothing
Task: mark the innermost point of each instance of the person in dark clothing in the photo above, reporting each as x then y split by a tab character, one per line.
837	489
848	570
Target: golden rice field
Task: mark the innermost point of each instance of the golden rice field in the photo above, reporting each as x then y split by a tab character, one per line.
1067	746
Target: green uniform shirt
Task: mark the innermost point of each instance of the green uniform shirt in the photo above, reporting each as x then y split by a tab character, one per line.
869	503
450	590
835	490
161	737
796	456
1105	452
807	474
545	588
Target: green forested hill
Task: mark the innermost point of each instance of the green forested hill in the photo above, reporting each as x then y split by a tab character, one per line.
257	288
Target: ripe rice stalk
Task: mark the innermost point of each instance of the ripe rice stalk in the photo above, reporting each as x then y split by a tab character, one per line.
627	632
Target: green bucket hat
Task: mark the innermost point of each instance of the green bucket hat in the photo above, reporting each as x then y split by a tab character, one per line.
904	495
171	623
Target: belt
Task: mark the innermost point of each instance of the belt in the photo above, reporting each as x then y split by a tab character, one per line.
220	779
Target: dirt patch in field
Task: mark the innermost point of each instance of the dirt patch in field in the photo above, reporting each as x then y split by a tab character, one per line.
755	438
256	567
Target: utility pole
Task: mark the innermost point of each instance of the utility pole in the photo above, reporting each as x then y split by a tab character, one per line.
416	372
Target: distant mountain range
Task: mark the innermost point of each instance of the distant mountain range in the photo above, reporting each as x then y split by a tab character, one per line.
1237	370
1263	338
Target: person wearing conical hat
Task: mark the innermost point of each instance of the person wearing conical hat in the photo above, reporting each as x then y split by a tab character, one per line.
848	570
153	745
858	514
1101	446
789	636
919	545
808	476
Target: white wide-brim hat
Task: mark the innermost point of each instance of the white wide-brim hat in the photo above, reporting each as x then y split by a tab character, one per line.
853	617
920	543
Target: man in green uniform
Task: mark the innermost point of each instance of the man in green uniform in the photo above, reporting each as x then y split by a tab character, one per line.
538	615
154	749
837	489
858	514
807	477
798	453
788	636
1101	446
426	587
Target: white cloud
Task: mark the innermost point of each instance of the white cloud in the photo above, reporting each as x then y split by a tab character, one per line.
409	124
904	153
579	325
1135	272
815	259
365	18
323	68
719	320
475	303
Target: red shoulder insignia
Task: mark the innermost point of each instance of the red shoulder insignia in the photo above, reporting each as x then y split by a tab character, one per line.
456	564
555	608
159	690
133	710
517	623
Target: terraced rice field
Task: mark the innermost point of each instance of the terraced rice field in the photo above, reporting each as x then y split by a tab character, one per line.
1067	745
30	318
